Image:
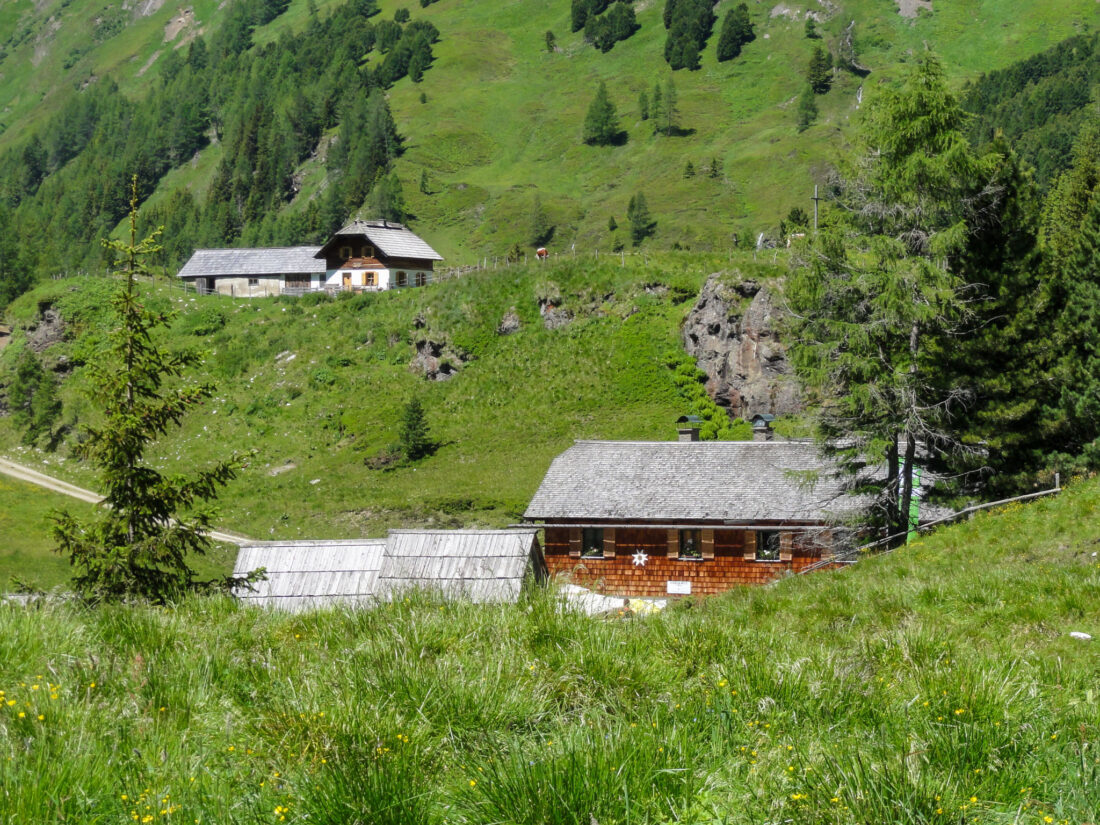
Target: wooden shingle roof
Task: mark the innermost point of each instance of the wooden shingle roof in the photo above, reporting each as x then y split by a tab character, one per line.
482	565
308	574
393	240
673	481
253	263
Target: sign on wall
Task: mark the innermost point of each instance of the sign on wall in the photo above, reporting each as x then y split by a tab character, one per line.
679	588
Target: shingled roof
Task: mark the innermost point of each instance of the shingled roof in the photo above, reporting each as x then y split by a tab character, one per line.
392	239
673	481
252	263
306	574
482	565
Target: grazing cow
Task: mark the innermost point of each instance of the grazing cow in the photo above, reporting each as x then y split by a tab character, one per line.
541	253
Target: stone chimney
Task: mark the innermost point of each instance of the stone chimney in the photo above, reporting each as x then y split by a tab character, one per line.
762	427
688	429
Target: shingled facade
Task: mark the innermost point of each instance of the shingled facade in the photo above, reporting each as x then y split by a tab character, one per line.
631	518
363	256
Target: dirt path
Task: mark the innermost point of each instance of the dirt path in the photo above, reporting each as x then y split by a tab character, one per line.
10	468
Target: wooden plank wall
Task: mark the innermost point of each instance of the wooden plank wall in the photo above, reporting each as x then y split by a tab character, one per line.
728	568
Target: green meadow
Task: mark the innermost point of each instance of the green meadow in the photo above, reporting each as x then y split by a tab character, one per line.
498	118
938	684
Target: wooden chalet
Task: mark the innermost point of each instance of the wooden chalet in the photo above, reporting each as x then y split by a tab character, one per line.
365	256
654	519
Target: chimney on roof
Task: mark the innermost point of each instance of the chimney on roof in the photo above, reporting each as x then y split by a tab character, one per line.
689	427
762	427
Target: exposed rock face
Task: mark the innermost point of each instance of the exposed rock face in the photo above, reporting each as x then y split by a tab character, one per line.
49	329
509	323
436	361
553	316
740	351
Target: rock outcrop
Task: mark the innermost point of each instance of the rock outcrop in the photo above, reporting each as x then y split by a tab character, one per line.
437	360
737	346
47	330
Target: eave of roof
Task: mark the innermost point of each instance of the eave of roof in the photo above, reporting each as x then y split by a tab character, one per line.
251	262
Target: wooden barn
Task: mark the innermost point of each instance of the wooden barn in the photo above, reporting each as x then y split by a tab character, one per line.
364	256
309	574
654	519
479	565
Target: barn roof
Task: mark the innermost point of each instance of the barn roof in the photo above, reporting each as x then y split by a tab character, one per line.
482	565
680	481
287	260
392	239
305	574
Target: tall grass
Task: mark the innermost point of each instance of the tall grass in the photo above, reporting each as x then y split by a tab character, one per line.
936	685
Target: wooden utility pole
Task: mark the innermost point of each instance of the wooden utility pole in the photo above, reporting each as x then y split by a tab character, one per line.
815	200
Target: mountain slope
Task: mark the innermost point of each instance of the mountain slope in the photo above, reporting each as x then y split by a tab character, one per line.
312	391
501	116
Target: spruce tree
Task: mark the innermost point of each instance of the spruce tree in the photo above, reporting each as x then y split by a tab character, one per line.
643	105
736	32
32	398
807	108
601	124
387	200
878	302
137	544
819	73
641	222
415	437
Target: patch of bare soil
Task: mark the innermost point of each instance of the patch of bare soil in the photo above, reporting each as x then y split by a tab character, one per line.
184	20
911	8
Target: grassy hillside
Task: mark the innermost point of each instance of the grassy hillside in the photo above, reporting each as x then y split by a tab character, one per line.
311	392
25	547
935	685
501	117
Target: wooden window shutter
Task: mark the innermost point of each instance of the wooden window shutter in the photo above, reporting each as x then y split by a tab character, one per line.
575	536
786	546
609	543
673	544
750	545
708	544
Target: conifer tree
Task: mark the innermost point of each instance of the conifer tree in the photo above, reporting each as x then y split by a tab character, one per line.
819	73
668	122
807	108
641	222
736	32
415	437
387	200
32	397
643	105
137	544
877	303
601	124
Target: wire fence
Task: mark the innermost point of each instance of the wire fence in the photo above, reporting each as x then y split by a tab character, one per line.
884	545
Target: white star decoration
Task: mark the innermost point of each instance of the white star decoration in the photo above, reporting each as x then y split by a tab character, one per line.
640	559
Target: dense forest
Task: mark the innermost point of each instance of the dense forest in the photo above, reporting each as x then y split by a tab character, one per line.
267	107
1038	104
